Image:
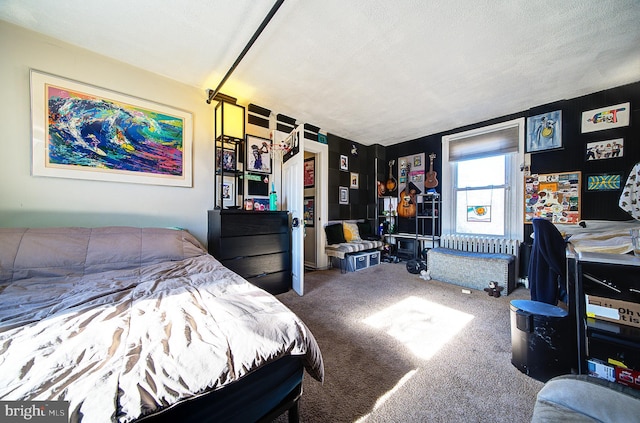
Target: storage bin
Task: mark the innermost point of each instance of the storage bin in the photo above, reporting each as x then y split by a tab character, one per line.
357	261
540	340
374	258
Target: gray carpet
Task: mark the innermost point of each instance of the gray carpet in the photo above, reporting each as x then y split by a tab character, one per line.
397	348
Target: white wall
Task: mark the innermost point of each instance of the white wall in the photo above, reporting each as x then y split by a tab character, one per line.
26	200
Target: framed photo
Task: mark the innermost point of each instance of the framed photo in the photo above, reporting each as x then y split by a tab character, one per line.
354	180
227	191
85	132
544	132
344	162
604	182
606	118
605	149
343	195
258	154
227	157
309	211
309	172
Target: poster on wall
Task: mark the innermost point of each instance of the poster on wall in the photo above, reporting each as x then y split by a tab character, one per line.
84	132
606	118
553	196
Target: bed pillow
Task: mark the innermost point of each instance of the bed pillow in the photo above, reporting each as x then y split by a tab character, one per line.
351	232
334	232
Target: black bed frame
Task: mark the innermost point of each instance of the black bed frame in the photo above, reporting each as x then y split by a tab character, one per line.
261	396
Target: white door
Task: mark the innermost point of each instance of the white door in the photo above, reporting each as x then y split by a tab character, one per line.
293	201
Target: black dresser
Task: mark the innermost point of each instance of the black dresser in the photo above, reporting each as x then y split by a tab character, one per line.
256	245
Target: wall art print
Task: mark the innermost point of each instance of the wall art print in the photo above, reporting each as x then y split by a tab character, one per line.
553	196
606	118
544	132
609	149
604	182
309	172
85	132
258	154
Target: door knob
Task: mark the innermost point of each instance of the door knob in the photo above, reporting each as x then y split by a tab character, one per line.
295	222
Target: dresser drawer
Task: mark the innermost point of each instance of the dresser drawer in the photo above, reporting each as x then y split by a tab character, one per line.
259	223
235	247
249	267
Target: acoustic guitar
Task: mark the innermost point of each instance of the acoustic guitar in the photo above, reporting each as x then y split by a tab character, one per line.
431	180
407	200
392	183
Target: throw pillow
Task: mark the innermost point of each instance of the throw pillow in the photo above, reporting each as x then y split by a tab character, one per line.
351	232
364	228
334	233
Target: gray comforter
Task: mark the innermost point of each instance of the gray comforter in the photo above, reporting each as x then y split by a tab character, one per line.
122	322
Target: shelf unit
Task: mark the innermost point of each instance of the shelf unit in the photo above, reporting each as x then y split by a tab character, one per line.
426	224
428	208
228	188
610	283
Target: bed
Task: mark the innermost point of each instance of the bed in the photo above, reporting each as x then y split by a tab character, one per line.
141	324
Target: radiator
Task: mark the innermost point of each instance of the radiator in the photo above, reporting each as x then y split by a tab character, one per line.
481	244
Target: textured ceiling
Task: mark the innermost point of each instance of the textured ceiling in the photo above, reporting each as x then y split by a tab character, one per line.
372	71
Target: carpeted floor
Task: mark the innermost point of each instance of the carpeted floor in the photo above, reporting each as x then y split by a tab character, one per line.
397	348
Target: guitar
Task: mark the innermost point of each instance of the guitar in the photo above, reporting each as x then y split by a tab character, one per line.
392	183
407	200
431	180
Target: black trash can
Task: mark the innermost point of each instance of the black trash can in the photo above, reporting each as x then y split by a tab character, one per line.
541	340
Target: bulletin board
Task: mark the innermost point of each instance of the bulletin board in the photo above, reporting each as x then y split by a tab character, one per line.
553	196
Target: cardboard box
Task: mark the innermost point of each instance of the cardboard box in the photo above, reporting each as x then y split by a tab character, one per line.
628	377
601	370
618	311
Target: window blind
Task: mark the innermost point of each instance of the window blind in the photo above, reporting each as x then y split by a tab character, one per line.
492	143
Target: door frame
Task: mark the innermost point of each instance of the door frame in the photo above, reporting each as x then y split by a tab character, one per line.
322	189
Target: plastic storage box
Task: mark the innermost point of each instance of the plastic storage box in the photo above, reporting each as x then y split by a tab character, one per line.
357	261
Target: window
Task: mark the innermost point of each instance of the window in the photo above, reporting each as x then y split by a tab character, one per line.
482	182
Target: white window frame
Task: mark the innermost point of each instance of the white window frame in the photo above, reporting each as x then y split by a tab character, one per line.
515	184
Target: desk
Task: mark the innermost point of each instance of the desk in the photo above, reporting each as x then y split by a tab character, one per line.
612	282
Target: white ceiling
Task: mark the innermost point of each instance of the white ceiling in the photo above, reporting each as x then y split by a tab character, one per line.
372	71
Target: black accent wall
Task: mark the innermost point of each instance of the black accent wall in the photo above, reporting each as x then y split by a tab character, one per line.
572	157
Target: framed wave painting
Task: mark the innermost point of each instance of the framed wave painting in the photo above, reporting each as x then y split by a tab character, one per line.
81	131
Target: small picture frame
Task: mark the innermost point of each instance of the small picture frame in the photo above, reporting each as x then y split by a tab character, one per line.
344	162
355	177
609	149
544	132
309	211
343	195
226	159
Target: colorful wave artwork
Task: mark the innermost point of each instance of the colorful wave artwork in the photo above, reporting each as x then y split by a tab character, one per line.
94	132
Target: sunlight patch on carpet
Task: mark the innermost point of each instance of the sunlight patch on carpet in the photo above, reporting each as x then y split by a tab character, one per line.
423	326
388	395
